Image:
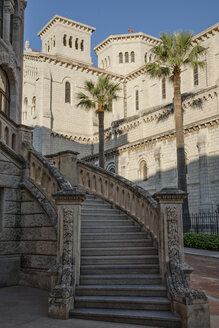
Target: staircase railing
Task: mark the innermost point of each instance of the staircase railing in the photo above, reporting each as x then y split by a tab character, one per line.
132	199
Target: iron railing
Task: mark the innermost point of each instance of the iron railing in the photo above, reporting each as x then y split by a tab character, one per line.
207	223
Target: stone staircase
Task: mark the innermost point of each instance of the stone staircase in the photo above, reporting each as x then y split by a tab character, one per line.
119	279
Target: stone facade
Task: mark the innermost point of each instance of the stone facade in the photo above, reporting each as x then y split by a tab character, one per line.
140	129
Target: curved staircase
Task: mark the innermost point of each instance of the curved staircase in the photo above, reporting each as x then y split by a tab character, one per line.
119	278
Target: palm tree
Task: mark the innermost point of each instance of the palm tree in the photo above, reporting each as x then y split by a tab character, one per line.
174	53
99	96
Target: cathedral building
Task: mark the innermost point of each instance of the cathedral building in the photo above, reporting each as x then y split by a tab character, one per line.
140	130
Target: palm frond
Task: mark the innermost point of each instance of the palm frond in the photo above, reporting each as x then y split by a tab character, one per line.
84	101
156	70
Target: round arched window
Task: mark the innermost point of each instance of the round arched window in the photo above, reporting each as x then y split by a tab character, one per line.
4	92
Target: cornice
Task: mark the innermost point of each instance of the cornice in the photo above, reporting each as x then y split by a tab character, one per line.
126	37
66	22
206	34
69	63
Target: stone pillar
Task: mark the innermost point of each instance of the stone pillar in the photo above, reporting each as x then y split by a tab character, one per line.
8	11
61	298
205	205
66	162
157	157
191	305
171	228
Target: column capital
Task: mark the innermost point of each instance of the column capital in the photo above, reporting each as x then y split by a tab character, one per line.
9	6
170	195
68	196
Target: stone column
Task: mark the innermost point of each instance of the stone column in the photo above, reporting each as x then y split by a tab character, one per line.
157	157
171	228
191	305
8	11
61	298
66	162
205	205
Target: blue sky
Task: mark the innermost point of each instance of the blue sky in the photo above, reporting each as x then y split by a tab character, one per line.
115	16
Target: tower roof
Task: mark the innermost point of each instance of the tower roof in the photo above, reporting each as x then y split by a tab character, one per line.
126	37
66	22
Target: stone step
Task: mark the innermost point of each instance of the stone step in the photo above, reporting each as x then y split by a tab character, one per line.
102	216
123	302
103	223
118	251
110	229
101	211
117	243
113	236
97	205
120	279
164	319
119	268
121	290
120	259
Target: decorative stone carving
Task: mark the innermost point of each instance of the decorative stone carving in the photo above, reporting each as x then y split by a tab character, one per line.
173	235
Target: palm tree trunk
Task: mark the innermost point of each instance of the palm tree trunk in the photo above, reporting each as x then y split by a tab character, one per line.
101	138
181	163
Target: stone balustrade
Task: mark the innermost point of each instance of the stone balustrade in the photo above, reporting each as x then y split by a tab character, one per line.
13	134
132	199
43	173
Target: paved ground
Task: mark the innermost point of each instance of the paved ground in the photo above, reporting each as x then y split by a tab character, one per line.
26	307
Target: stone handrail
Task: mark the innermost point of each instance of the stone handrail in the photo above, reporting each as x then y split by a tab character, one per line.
132	199
13	134
43	173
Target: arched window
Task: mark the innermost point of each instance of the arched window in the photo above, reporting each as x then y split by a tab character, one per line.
76	44
70	42
137	100
195	75
82	45
64	40
6	136
150	58
48	47
67	92
126	57
164	88
1	17
4	92
108	61
54	41
120	58
146	57
143	171
13	141
132	57
105	62
33	108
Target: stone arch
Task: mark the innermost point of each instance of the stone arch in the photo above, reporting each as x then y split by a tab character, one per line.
111	167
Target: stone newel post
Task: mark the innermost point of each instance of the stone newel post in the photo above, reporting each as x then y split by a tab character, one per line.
61	298
171	229
190	304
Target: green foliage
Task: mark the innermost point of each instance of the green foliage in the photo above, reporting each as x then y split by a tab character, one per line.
199	240
100	94
175	52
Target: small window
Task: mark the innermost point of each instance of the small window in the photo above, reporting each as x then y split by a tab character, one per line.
76	44
120	58
13	141
146	57
143	171
54	42
4	92
126	57
132	57
6	136
195	74
150	58
108	61
33	108
67	92
164	88
137	100
70	42
64	40
82	45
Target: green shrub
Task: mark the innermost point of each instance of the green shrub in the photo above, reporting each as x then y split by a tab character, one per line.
200	240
